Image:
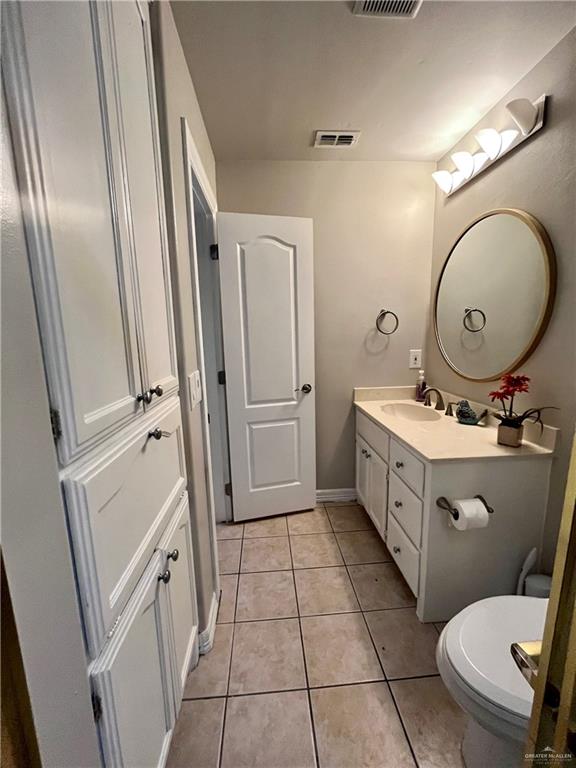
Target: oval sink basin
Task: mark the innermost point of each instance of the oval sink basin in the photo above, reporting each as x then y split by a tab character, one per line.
410	412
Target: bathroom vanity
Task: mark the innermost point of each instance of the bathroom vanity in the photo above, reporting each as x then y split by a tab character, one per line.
408	456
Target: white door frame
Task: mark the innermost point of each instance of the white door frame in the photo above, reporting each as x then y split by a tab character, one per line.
193	165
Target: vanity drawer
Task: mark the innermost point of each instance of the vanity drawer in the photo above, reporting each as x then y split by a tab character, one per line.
405	554
376	436
406	507
118	506
407	466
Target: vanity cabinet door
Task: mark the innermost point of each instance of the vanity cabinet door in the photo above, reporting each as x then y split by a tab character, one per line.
132	680
378	491
362	471
176	544
137	102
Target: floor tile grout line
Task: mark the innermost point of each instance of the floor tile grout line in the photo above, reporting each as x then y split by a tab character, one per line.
308	696
313	687
231	653
382	667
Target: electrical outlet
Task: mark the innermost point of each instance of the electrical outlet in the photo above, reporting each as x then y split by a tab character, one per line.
415	358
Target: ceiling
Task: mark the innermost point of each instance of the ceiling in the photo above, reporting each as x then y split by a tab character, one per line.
269	74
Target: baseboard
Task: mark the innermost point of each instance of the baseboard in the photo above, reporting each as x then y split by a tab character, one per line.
206	637
325	495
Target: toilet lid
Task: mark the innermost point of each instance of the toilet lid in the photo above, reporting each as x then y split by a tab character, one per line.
478	640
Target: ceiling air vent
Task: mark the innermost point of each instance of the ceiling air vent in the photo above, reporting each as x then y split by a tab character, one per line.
387	9
336	139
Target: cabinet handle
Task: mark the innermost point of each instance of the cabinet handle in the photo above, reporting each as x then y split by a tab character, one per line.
174	555
396	550
399	464
158	433
397	504
157	390
165	577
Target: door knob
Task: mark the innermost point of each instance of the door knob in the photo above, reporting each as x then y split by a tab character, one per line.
174	555
305	388
157	390
165	577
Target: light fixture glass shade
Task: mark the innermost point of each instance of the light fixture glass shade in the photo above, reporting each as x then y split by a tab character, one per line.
444	180
457	179
524	114
490	141
464	162
480	159
507	138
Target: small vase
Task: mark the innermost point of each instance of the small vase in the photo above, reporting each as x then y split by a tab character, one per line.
511	436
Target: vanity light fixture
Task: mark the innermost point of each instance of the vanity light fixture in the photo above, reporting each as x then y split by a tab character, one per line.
527	116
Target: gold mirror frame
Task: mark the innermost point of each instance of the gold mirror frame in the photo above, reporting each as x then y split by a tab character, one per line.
550	262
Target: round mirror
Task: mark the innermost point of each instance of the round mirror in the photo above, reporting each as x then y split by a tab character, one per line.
495	294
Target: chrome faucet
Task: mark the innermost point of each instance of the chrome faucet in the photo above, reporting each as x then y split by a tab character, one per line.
439	399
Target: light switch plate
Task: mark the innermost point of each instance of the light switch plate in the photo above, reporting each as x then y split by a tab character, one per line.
194	388
415	358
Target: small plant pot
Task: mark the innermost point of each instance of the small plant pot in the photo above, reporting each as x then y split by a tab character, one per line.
511	436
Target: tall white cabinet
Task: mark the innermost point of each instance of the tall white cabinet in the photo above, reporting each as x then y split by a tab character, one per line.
83	120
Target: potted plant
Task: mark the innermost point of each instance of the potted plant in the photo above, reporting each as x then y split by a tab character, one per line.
511	424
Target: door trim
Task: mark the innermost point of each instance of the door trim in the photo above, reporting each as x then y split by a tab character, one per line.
193	166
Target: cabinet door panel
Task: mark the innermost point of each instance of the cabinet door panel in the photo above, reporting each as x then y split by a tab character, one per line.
362	471
133	681
69	165
177	542
134	79
118	506
378	495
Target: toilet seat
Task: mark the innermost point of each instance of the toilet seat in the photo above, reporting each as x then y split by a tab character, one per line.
477	643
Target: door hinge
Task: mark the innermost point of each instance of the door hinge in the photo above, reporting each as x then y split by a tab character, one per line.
214	254
96	706
56	423
228	489
221	377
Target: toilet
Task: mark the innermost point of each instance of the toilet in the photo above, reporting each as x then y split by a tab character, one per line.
475	663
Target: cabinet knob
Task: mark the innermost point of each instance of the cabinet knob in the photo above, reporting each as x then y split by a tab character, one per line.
364	451
157	390
305	388
368	455
156	433
146	397
399	464
174	555
396	550
397	504
165	577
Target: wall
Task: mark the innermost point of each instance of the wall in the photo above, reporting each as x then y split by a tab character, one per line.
540	177
372	244
177	99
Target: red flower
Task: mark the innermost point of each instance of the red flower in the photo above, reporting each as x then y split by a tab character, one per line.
498	395
512	384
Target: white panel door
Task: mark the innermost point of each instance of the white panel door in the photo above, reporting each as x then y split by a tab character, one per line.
135	90
69	166
266	275
132	678
177	546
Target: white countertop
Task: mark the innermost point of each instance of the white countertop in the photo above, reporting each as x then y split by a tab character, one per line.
444	439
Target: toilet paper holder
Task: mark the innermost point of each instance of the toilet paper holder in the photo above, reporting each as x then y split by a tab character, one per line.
443	503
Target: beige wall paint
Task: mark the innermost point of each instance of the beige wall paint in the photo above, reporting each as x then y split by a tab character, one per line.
372	245
540	177
177	98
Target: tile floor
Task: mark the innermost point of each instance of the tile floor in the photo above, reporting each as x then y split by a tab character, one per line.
318	658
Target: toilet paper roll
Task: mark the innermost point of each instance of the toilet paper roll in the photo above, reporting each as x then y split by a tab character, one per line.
471	514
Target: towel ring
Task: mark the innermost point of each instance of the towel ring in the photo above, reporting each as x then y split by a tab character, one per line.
381	315
468	315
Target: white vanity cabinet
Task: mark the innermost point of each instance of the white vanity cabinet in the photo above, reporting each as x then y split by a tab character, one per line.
445	568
